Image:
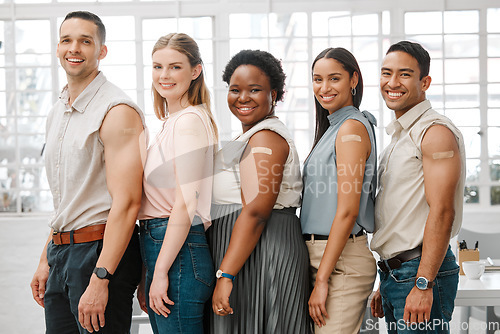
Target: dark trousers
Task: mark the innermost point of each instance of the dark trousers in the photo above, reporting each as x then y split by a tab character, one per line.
71	267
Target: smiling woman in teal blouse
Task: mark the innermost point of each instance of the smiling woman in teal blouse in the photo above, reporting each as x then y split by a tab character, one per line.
338	198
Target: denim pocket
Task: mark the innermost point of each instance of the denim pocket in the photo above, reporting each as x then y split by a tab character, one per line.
157	232
407	272
202	263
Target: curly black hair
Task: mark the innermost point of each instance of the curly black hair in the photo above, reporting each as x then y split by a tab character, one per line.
263	60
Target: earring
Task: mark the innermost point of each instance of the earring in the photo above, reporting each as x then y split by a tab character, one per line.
274	103
353	91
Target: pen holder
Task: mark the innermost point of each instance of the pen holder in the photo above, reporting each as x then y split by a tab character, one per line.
467	255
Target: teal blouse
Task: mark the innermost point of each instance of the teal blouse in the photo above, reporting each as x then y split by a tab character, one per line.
319	197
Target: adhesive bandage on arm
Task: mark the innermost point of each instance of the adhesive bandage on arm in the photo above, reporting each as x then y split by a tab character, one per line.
129	131
347	138
265	150
443	155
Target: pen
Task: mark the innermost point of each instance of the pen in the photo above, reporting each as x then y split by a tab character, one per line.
490	261
476	245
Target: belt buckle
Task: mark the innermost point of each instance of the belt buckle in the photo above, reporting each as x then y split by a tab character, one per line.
393	263
56	238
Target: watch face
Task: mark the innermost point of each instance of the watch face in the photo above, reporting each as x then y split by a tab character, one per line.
421	283
218	274
101	272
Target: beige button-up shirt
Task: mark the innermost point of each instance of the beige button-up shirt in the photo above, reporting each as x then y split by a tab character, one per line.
74	155
401	208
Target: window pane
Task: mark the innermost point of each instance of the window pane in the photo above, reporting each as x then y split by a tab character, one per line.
33	103
120	53
27	41
365	48
432	43
7	147
472	141
461	70
370	72
2	79
494	117
33	60
462	96
31	124
4	111
236	45
493	141
197	28
493	45
126	31
123	76
30	148
436	96
8	201
436	71
291	25
433	23
295	99
493	23
494	95
493	69
365	24
150	31
330	23
370	101
461	21
37	78
36	201
494	170
471	194
473	170
297	74
464	117
461	46
290	48
248	25
495	195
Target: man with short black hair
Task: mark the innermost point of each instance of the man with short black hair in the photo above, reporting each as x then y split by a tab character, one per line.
419	201
90	266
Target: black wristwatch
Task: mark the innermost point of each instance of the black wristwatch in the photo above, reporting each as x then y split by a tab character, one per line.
102	273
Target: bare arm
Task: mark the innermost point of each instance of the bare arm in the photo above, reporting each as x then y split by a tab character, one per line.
41	276
190	144
353	147
442	168
123	138
261	176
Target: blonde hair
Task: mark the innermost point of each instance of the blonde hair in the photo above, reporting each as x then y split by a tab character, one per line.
197	92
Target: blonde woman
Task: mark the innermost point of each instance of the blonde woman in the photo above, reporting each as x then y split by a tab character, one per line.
177	183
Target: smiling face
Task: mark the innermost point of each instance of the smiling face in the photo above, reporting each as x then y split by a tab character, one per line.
332	84
79	49
250	96
172	76
400	82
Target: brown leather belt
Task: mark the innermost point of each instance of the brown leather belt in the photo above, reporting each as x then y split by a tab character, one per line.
396	261
85	234
308	237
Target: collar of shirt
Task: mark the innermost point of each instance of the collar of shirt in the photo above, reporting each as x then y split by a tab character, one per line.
85	97
337	116
409	118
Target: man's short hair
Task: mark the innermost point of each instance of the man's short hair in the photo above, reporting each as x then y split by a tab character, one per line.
88	16
416	51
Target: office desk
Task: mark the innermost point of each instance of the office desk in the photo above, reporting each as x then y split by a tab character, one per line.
482	292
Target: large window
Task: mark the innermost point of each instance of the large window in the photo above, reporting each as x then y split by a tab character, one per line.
464	44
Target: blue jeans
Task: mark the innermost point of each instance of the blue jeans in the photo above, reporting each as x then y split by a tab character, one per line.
397	284
191	277
71	267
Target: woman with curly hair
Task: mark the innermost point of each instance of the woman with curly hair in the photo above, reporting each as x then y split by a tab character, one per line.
255	238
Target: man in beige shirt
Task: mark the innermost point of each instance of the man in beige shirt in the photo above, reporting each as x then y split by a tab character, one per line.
419	202
90	265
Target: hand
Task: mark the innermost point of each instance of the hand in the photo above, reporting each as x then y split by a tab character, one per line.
141	294
317	303
93	304
158	294
418	306
220	298
38	283
376	305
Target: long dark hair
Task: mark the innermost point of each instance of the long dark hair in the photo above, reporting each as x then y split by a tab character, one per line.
349	64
